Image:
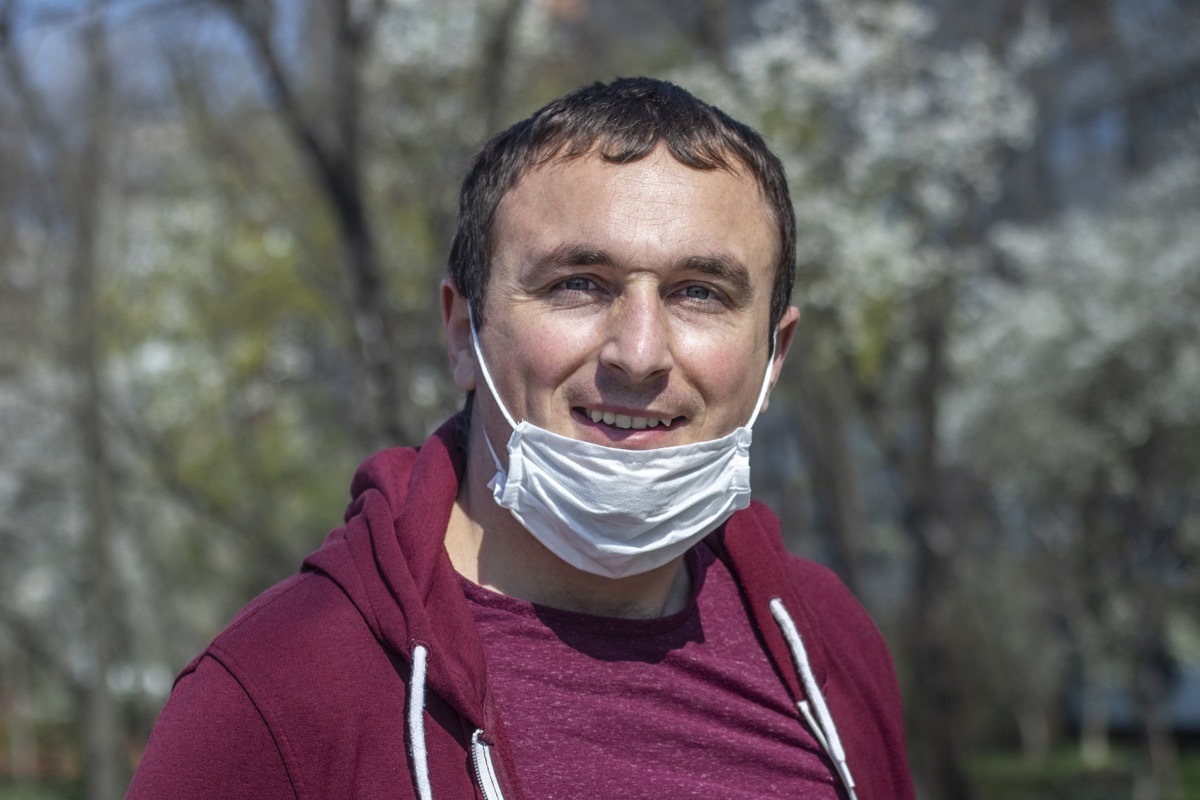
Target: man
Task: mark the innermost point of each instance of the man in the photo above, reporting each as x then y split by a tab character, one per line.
565	591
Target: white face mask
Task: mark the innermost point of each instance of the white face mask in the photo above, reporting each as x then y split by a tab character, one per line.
615	512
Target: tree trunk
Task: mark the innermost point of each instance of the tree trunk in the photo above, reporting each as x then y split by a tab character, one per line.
936	700
103	736
934	704
335	162
494	64
1093	709
1153	531
1159	777
1034	730
822	429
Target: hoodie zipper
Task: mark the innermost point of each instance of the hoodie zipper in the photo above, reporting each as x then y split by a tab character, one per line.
485	771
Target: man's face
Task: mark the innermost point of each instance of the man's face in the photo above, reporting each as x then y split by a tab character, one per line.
628	304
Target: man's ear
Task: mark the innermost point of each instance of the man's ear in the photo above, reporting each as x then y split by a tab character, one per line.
457	321
783	341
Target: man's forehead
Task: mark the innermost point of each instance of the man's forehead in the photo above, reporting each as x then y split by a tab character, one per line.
560	165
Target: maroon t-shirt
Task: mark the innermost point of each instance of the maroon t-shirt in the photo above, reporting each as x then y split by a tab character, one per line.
681	706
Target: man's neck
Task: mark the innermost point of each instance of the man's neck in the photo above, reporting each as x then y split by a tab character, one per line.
488	546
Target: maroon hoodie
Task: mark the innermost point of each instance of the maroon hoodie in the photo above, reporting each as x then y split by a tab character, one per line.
364	675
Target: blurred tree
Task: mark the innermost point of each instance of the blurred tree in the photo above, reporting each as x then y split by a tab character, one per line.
1082	406
75	155
331	142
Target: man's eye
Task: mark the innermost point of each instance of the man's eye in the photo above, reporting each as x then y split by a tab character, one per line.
578	284
698	293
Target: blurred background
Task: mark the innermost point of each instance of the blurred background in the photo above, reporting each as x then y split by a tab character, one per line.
223	223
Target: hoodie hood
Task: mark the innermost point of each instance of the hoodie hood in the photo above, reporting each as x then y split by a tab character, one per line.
390	560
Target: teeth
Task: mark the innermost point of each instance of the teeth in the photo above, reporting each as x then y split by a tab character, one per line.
627	422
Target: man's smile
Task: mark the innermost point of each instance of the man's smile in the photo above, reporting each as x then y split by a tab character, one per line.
626	421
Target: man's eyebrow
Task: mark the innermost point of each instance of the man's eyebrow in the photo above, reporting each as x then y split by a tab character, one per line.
568	254
728	270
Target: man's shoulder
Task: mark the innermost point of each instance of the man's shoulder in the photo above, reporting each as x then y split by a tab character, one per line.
753	538
303	629
817	583
298	606
299	669
304	657
761	539
766	567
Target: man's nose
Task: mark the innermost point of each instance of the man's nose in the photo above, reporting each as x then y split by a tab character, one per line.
638	339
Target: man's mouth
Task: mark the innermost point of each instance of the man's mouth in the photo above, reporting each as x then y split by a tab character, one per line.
627	421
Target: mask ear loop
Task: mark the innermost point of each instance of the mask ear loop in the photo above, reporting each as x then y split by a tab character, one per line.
487	378
766	384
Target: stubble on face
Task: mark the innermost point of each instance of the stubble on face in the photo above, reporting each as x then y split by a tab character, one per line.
628	303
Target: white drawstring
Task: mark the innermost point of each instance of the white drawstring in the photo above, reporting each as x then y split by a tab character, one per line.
480	752
416	723
823	727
